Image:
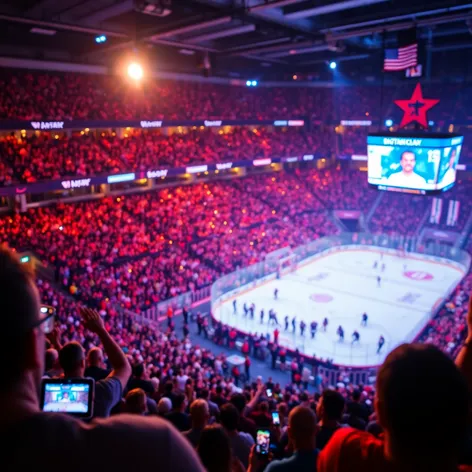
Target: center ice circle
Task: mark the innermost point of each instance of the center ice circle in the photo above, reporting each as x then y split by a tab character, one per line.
321	297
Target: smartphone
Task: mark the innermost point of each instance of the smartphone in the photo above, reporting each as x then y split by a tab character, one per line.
71	396
275	418
269	393
262	442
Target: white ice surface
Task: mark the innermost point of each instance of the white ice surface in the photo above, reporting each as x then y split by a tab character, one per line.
398	309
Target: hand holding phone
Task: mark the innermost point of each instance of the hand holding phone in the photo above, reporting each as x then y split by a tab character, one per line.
275	418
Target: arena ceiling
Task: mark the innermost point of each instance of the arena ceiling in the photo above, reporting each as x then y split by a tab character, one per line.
262	38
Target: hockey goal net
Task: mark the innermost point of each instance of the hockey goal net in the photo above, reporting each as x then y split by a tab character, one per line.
286	265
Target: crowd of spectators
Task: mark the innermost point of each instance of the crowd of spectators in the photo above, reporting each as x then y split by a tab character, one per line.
399	214
45	156
183	401
50	96
340	189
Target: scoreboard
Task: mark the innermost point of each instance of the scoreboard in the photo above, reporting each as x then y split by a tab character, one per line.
414	163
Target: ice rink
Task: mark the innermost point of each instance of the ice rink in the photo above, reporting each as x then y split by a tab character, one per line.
341	286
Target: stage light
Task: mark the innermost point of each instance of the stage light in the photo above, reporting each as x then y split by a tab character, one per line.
100	39
248	83
431	123
135	71
388	123
332	65
254	83
295	77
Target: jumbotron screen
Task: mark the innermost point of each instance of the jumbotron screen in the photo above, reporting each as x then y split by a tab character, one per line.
415	163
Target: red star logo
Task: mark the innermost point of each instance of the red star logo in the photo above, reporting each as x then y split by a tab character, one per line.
416	107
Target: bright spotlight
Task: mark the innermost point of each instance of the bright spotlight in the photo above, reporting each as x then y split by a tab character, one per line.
248	83
254	83
388	123
431	123
135	71
100	39
332	65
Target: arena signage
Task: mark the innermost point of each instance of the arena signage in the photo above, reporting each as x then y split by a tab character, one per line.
290	159
212	123
77	183
308	157
402	142
356	122
47	124
262	162
296	123
114	179
196	169
224	166
151	124
156	174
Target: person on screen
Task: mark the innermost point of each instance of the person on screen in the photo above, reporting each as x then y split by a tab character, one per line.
407	177
65	398
450	174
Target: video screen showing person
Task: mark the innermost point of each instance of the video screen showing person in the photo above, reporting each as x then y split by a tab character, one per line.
66	398
399	166
448	165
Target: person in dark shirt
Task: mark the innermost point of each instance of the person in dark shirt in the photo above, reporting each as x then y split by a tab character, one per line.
246	425
218	398
95	365
137	380
302	434
199	414
261	417
330	411
185	314
177	416
108	392
357	408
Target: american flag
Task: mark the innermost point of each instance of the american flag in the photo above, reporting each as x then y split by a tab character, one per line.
401	58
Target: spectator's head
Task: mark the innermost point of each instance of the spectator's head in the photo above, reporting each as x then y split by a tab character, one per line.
138	370
229	417
302	428
164	406
95	357
356	395
239	401
214	449
204	393
72	359
200	413
136	402
168	387
264	407
282	408
422	405
179	402
51	360
330	406
22	339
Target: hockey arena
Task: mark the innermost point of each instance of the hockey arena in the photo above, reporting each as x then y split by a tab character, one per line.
398	291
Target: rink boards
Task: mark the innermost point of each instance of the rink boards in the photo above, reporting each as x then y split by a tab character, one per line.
340	283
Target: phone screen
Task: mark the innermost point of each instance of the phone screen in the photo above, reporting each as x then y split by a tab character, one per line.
262	441
269	393
275	418
72	397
